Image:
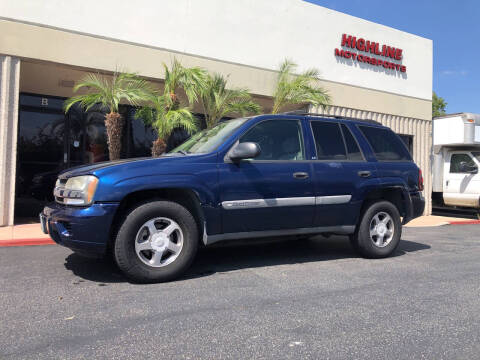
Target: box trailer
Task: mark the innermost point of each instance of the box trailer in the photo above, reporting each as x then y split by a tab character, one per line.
456	160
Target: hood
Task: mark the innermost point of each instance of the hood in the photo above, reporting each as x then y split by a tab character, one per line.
91	168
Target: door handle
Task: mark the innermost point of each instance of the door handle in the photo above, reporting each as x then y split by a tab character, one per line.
300	175
364	174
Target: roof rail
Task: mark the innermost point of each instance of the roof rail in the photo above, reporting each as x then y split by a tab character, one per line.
306	113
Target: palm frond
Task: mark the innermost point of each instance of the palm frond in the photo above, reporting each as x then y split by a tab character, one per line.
298	89
190	80
146	114
168	121
218	101
86	101
110	92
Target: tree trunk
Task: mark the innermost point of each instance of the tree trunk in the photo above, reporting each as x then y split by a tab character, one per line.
114	126
158	147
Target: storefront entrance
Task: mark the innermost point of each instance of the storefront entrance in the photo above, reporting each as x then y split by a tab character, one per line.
50	141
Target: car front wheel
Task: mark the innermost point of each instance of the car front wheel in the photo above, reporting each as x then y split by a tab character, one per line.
157	242
379	231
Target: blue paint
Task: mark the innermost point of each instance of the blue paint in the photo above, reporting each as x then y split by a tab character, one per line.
214	179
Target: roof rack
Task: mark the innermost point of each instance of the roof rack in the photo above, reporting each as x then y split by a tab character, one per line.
306	113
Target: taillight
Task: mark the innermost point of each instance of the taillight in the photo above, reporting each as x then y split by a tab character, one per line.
420	180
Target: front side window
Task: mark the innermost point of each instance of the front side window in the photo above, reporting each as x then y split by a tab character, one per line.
457	159
278	140
385	144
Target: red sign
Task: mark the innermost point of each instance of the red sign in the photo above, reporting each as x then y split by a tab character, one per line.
361	45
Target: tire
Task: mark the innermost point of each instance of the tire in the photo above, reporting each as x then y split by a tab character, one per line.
368	239
157	242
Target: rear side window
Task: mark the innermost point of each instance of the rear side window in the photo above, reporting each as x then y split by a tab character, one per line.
385	144
328	141
353	151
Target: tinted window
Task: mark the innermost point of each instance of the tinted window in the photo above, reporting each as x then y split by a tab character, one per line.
278	140
457	159
353	152
385	144
209	139
328	141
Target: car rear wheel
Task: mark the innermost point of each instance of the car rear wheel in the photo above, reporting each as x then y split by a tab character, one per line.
379	231
157	242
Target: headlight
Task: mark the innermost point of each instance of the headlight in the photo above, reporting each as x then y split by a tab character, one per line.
78	190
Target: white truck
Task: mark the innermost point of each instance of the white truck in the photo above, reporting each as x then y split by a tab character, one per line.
456	161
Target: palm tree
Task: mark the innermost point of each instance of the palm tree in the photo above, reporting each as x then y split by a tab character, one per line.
190	80
109	92
298	89
165	120
167	112
218	101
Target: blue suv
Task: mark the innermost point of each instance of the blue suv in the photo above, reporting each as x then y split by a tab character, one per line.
263	176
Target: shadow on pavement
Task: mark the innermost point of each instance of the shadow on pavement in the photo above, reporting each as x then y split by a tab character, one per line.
240	255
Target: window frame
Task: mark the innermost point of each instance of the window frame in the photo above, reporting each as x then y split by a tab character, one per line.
356	141
338	123
381	127
237	141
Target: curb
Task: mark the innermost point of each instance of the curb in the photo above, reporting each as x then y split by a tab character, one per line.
467	222
44	241
26	242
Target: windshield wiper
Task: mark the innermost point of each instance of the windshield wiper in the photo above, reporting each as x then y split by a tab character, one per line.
183	152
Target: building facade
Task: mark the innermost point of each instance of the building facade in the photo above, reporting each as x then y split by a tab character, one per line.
371	71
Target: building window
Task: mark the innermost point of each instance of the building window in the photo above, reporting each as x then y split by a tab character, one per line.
408	141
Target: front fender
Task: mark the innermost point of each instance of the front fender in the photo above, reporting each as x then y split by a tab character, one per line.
113	192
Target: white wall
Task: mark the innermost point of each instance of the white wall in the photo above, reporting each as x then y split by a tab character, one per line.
252	32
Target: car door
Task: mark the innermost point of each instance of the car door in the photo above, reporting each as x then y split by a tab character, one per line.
341	174
273	191
461	188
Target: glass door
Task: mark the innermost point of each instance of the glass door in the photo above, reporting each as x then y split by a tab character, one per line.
50	141
40	152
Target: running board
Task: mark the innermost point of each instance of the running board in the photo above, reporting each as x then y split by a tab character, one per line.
343	230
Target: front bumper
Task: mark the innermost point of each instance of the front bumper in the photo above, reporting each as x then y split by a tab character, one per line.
82	229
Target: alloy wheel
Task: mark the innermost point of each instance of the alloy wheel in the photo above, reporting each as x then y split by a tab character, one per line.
382	229
159	242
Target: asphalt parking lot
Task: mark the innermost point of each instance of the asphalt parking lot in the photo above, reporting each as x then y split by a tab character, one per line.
290	299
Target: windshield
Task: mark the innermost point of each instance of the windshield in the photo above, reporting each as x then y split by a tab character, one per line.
476	154
209	139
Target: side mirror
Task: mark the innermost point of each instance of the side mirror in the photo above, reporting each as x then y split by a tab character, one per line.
245	150
465	168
